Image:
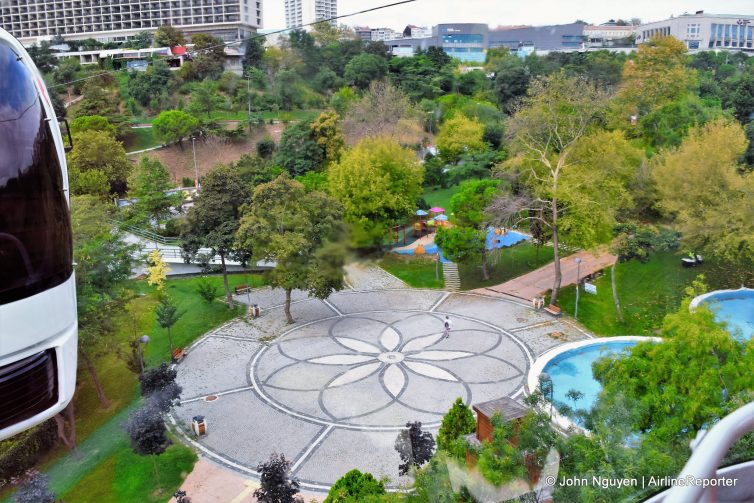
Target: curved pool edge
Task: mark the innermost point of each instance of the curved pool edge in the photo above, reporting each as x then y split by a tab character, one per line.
701	298
532	380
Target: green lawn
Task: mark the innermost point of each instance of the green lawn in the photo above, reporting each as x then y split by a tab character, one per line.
504	264
125	477
140	139
418	272
647	292
439	197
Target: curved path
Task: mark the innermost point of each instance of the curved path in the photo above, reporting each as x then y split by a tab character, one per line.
332	391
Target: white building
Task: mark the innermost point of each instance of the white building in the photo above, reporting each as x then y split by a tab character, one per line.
301	12
117	20
702	31
413	31
607	35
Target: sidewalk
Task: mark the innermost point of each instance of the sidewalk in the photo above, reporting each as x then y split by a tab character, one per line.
539	281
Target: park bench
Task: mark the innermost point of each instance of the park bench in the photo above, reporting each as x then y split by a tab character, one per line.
553	310
239	289
178	355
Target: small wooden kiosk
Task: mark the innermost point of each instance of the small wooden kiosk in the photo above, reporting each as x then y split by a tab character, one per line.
509	410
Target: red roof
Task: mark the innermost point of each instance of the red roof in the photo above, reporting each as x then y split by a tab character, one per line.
178	50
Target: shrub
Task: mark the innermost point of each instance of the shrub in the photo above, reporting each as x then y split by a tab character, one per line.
266	147
207	290
457	422
24	450
187	181
353	487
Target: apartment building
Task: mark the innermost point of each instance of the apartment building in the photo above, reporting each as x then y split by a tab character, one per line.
609	35
32	21
304	12
701	31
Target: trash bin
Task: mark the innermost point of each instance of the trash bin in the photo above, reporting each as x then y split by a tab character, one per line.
538	303
256	312
199	425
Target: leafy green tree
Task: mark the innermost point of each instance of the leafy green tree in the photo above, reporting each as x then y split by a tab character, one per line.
378	183
253	54
92	182
103	265
342	99
546	129
149	185
141	40
255	170
91	123
266	147
702	187
354	487
687	381
511	82
287	89
68	69
205	98
467	238
42	57
98	150
749	154
365	68
151	86
326	132
300	232
460	135
742	97
214	219
209	55
471	83
438	57
667	125
174	125
299	151
168	36
457	422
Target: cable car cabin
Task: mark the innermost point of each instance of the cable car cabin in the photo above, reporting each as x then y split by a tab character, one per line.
38	325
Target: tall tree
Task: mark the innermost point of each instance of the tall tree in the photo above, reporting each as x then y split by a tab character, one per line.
457	422
253	54
214	218
104	263
167	315
326	131
299	151
149	185
42	57
300	231
174	125
468	207
168	36
378	183
99	151
545	130
209	56
364	69
460	135
704	189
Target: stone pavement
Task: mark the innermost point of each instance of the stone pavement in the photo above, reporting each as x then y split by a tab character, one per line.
332	391
539	281
369	276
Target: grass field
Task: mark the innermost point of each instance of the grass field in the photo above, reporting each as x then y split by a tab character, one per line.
647	292
439	197
140	139
504	264
418	272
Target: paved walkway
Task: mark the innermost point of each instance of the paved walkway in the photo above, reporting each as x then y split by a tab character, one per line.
539	281
332	391
368	276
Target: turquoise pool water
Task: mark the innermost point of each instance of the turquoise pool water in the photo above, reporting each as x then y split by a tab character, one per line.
735	308
573	370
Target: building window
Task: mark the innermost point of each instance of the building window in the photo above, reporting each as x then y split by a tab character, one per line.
692	30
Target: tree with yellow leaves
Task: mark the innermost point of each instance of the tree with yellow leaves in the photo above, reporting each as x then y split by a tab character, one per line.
158	270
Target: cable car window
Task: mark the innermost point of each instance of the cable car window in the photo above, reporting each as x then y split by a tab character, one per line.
35	229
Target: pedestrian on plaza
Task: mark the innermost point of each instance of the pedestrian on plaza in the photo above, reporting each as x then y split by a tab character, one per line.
448	325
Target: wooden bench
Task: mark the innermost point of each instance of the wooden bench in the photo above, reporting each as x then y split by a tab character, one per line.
239	289
178	355
553	310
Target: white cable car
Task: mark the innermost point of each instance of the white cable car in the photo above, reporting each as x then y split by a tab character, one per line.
38	324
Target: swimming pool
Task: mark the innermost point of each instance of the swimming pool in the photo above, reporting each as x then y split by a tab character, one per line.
734	307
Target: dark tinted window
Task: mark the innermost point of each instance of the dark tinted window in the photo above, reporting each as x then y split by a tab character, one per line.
35	229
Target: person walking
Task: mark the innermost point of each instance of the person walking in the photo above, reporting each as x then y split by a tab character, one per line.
448	325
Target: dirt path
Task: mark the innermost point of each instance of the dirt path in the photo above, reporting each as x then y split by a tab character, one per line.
209	153
536	282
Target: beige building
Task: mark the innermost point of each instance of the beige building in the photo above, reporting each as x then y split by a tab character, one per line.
32	21
607	35
704	32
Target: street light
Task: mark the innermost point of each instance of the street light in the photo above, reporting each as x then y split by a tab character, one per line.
196	172
578	282
144	339
545	385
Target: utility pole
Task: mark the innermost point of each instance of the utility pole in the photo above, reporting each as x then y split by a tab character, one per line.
196	171
578	281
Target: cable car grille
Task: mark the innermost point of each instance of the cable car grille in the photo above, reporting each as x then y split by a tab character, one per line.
28	387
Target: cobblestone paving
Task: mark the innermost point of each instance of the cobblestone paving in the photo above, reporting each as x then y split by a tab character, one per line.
332	391
368	276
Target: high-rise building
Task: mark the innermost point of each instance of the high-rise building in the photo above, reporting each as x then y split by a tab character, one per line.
116	20
301	12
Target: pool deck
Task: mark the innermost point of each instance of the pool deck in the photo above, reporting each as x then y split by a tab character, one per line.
539	281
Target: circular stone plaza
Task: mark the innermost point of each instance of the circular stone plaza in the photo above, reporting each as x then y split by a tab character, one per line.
331	391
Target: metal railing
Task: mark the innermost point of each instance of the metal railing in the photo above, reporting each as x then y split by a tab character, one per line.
145	234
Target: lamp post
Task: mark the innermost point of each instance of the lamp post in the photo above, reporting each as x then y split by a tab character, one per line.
196	172
578	283
545	385
144	339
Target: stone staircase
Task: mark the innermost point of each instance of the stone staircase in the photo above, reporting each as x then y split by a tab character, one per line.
450	274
